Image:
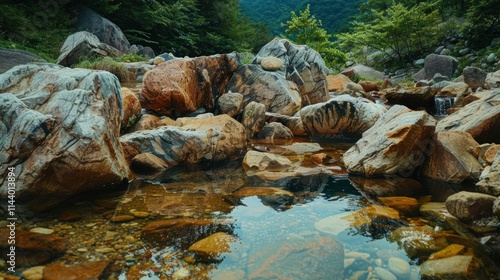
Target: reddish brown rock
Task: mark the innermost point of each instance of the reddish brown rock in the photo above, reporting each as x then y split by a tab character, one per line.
147	121
450	160
131	108
369	86
33	248
84	271
176	86
337	82
470	206
184	85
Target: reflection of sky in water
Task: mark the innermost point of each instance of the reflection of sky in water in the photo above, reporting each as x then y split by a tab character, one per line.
259	226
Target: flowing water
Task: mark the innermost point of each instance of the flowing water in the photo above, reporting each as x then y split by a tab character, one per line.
323	224
442	104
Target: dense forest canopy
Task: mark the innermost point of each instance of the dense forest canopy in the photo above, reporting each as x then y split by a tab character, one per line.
387	33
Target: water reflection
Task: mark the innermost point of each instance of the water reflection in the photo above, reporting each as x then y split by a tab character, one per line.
221	222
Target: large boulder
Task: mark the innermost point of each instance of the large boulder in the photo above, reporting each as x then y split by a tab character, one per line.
439	64
450	160
269	88
60	131
363	71
395	145
411	97
107	32
78	45
303	65
343	116
481	118
185	85
470	206
191	140
10	58
474	77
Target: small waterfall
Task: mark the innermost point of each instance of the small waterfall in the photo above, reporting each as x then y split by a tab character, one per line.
442	104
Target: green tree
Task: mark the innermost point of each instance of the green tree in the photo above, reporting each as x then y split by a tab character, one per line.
399	33
306	29
484	22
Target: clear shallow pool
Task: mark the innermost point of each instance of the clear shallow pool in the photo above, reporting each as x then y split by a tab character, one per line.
317	223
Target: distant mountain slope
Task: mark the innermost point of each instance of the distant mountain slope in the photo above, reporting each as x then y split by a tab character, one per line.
335	14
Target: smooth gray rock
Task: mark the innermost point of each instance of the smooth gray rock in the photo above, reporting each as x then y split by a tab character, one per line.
107	32
443	64
60	130
77	46
363	71
395	145
10	58
343	116
474	77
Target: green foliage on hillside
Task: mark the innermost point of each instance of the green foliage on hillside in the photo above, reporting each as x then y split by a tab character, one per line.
334	14
183	27
305	29
398	33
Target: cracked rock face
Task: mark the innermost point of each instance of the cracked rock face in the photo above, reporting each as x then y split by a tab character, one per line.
342	116
395	145
60	130
304	66
190	141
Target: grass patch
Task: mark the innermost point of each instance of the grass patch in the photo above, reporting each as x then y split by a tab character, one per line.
132	57
106	64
